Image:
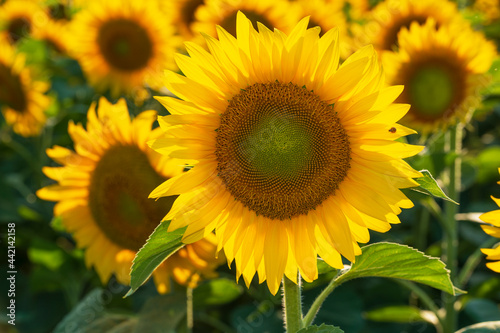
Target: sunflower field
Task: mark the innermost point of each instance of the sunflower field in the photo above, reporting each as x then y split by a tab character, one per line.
250	166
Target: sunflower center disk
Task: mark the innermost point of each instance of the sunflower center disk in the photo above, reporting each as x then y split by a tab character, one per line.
229	23
18	28
118	197
281	150
431	90
11	90
391	38
125	44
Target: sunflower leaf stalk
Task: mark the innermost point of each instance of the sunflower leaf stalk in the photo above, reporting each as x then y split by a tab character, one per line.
292	305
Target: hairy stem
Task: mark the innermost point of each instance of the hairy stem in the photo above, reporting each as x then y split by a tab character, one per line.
292	305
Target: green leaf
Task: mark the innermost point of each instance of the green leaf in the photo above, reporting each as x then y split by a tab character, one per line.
323	267
429	186
106	323
88	310
488	161
397	261
396	314
159	246
162	314
482	309
216	292
321	329
488	327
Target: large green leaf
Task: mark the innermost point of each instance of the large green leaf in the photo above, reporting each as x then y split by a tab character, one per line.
216	292
488	327
429	186
162	314
91	308
396	314
320	329
159	246
397	261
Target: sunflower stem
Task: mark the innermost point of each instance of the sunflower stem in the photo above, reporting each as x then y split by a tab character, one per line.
450	244
313	310
189	309
292	304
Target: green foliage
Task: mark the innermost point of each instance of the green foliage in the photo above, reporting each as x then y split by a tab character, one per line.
429	186
159	246
321	329
89	309
398	314
216	292
162	314
399	262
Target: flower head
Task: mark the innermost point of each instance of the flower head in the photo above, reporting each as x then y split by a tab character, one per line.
22	99
443	70
492	229
101	195
296	156
121	45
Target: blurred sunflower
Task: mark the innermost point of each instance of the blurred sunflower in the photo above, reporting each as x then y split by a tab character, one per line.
492	218
490	9
327	15
123	44
112	158
279	14
296	155
184	15
389	17
443	70
22	99
19	18
55	34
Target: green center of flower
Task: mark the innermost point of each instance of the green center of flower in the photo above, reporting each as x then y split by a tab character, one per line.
11	90
229	23
431	90
118	197
277	146
125	44
18	28
281	150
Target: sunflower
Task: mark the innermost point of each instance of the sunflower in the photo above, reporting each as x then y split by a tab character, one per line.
102	196
184	15
19	18
490	9
123	44
327	15
22	99
492	229
279	14
296	155
443	70
55	34
388	18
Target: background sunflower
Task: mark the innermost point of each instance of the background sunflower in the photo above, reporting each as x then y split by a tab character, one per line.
22	99
102	196
123	44
443	71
